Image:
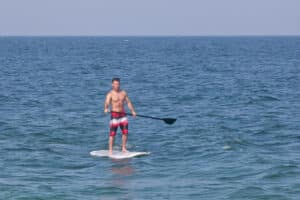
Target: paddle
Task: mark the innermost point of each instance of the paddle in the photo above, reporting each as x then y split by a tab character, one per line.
166	120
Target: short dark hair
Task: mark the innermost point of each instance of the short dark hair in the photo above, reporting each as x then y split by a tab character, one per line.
115	79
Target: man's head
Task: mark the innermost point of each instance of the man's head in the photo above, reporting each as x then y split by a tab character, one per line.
115	84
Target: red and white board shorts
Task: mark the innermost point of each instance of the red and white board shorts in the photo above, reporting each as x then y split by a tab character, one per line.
118	119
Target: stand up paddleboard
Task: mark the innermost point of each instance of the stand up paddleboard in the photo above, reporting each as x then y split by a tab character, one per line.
118	154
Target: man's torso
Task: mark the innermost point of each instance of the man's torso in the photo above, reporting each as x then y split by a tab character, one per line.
117	100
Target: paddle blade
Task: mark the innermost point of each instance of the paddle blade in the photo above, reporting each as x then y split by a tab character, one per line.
169	120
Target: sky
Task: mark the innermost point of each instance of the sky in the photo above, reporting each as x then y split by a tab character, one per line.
149	17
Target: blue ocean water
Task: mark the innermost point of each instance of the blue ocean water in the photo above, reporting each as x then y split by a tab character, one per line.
236	100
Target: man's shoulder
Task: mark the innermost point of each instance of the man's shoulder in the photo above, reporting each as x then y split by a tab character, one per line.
124	92
109	93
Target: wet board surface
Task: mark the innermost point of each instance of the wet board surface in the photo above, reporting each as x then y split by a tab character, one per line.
118	154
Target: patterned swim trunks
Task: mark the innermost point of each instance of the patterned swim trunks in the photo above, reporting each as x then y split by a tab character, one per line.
118	119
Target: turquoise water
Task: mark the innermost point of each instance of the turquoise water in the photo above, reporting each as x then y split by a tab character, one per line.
236	100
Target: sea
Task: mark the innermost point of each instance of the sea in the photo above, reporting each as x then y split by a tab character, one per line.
236	100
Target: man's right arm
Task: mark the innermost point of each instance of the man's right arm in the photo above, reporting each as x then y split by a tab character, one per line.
107	102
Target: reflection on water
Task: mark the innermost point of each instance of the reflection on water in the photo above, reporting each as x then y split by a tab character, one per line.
121	169
126	170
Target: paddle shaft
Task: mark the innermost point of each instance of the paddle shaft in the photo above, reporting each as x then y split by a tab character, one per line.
146	116
166	120
140	115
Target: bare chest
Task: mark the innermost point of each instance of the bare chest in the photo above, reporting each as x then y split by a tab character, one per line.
118	97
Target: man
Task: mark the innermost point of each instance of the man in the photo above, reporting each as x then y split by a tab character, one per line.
116	98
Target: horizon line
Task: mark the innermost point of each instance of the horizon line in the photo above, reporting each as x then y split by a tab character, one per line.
154	35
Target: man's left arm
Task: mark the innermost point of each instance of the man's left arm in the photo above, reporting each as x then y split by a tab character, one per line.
130	106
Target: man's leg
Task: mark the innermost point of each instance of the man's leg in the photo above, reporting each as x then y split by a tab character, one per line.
112	134
110	144
124	128
124	141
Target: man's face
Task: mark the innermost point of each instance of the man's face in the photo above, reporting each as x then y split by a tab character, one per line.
116	85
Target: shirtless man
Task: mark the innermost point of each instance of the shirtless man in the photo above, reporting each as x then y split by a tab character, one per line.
116	99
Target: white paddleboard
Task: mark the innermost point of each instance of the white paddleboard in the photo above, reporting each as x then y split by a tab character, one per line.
118	154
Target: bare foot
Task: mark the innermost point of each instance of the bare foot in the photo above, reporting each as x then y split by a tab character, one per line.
125	151
110	152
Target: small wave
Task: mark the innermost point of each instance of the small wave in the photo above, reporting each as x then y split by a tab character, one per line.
282	171
257	99
227	147
19	149
3	123
254	192
73	166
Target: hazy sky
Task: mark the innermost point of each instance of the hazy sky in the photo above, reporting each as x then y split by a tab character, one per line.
149	17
